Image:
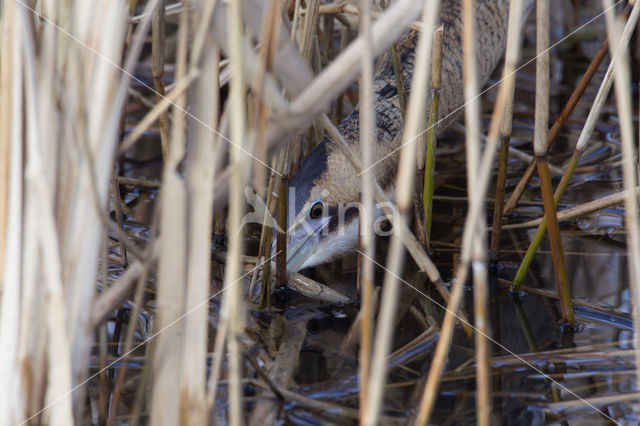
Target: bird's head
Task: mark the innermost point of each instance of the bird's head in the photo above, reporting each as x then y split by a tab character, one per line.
323	211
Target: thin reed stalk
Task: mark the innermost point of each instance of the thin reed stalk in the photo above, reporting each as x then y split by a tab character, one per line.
13	401
629	166
172	266
261	299
501	178
542	228
400	84
579	210
430	155
87	177
202	163
366	215
540	149
480	285
281	234
233	303
159	109
416	114
6	66
158	42
269	35
126	348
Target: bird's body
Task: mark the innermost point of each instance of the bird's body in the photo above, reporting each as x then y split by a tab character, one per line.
329	183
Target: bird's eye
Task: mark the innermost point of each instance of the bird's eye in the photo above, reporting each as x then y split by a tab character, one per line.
316	210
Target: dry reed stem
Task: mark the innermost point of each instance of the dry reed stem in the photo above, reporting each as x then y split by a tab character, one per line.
542	229
96	49
501	178
501	181
201	168
13	401
317	404
308	29
484	172
514	152
555	241
315	290
216	361
266	237
580	210
141	183
269	44
119	290
367	237
103	388
159	109
88	183
233	307
126	347
158	38
414	124
542	78
582	85
480	295
523	157
296	18
142	391
168	380
605	87
282	371
6	66
601	401
629	166
349	9
288	65
332	8
353	337
540	149
484	396
281	234
117	201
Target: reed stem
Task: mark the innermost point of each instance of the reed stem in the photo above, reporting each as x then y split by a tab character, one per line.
430	157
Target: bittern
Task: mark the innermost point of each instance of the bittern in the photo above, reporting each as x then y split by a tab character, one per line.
327	187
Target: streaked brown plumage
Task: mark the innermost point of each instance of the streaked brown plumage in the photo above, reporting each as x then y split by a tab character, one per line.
328	176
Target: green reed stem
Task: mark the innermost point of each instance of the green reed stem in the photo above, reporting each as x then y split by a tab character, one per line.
542	228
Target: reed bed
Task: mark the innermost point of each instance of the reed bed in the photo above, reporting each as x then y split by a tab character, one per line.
143	281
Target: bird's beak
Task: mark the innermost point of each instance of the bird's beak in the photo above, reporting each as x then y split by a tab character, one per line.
302	242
